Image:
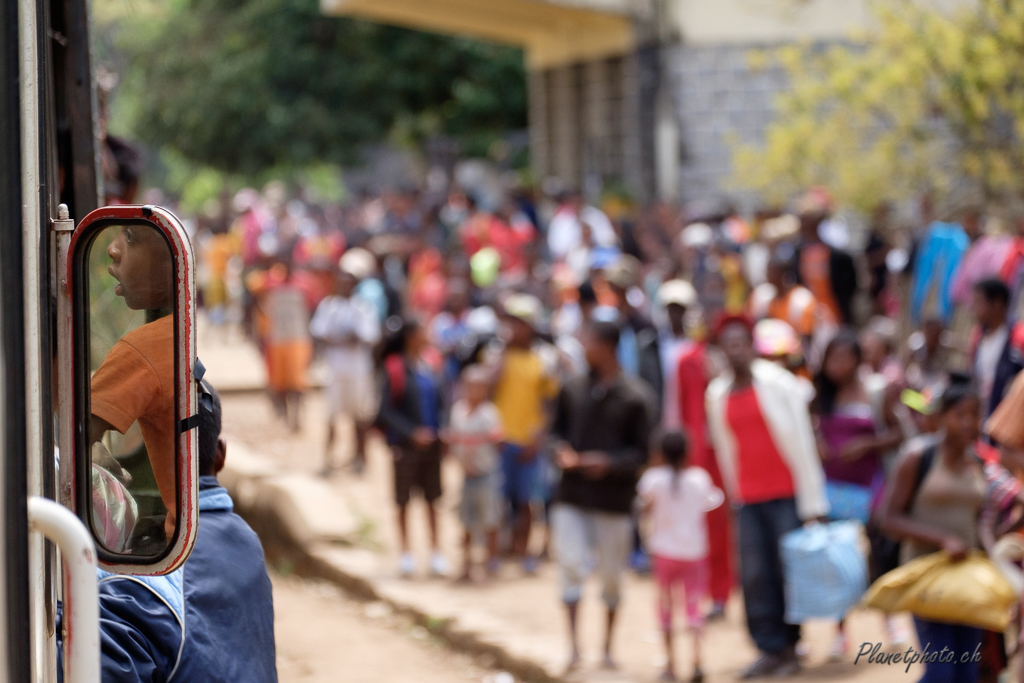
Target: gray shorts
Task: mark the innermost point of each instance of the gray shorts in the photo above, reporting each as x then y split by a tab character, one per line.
480	507
591	539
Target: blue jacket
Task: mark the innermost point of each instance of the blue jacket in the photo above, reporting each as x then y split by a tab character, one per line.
212	620
938	257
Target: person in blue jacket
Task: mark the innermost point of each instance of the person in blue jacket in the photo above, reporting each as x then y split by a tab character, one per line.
212	620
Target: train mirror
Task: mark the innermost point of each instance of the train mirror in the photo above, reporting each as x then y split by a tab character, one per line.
133	301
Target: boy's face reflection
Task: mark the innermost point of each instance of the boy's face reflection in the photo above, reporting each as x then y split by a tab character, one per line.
141	264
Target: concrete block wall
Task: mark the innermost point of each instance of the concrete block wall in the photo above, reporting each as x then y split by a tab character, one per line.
717	96
593	123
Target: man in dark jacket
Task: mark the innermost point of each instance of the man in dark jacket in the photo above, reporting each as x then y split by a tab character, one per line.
829	273
997	344
210	620
601	430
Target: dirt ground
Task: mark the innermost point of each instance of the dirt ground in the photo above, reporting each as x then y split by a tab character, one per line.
325	636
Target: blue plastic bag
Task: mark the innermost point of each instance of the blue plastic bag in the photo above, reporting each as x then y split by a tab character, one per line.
825	571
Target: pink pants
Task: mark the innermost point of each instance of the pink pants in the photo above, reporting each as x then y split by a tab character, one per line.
689	576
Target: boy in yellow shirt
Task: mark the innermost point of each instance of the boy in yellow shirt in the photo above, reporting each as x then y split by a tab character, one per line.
523	389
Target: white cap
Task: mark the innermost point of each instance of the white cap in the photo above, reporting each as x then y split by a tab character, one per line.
525	307
482	320
697	235
358	262
780	228
678	292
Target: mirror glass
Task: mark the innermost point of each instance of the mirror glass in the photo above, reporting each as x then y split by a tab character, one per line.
129	272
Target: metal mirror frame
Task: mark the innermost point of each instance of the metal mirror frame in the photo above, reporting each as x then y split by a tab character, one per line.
187	495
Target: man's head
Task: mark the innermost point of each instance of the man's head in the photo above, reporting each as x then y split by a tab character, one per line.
676	315
932	329
520	332
621	275
212	448
141	263
781	274
345	284
991	301
600	341
971	222
458	296
677	296
572	198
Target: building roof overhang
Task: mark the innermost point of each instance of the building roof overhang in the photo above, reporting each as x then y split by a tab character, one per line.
551	32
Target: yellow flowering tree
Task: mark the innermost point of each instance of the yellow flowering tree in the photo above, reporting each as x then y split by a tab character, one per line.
927	100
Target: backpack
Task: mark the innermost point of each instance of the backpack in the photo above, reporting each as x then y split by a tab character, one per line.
394	373
927	458
885	552
394	370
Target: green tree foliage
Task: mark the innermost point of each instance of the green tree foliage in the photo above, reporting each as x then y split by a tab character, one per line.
246	85
928	101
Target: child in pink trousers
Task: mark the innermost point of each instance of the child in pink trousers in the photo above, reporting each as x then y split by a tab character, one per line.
676	499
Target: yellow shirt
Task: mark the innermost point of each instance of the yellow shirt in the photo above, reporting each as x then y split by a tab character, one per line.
735	285
520	394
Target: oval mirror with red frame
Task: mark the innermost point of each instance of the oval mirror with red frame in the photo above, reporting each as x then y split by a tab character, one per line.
132	289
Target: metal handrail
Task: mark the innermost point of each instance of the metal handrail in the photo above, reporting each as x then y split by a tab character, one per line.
81	595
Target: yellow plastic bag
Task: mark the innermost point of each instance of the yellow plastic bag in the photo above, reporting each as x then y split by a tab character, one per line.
889	591
970	592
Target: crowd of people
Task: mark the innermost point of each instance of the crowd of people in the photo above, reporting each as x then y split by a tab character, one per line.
668	392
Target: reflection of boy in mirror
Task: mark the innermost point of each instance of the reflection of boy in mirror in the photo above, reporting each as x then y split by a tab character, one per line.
135	382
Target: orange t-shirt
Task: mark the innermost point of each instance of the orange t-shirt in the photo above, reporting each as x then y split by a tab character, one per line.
135	382
798	307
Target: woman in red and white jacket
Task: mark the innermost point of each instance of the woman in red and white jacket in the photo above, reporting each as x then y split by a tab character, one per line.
760	426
